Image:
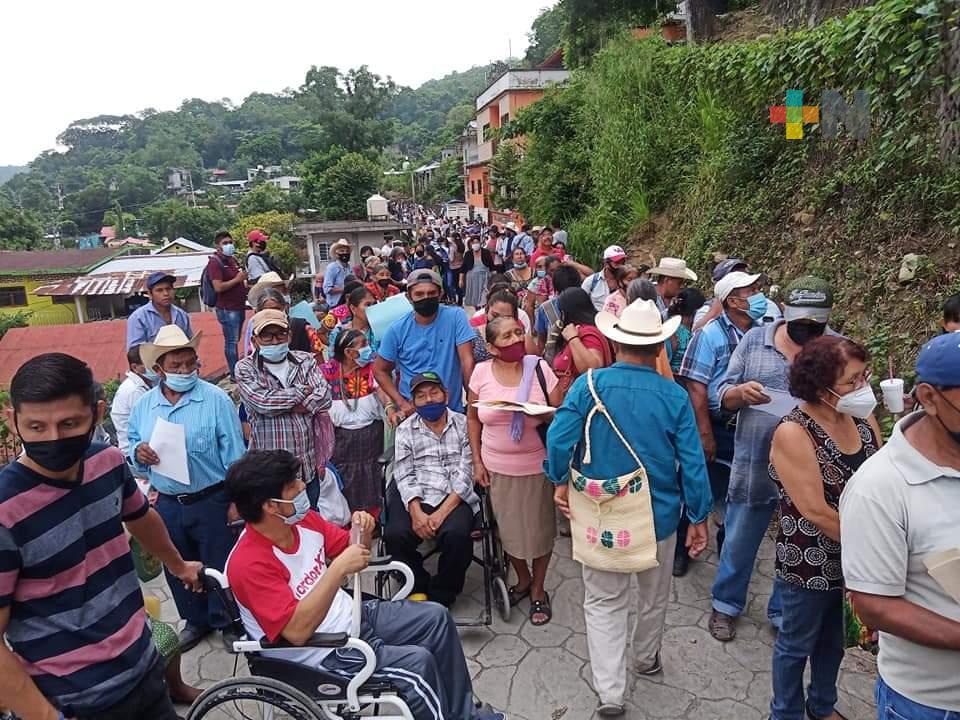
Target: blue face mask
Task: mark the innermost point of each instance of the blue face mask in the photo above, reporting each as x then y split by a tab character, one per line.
151	376
758	306
431	412
541	273
181	383
366	356
520	266
229	249
275	353
301	506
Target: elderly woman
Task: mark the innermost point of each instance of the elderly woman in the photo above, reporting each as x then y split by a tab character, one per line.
508	455
381	285
580	346
357	303
478	263
816	449
357	413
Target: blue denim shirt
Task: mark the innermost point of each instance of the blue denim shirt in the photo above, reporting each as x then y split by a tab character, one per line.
335	275
708	355
145	322
656	418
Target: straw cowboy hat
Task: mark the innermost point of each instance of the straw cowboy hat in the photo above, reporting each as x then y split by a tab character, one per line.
168	339
639	324
673	267
267	280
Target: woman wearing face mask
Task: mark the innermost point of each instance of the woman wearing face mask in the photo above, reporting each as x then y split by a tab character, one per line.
617	300
580	346
508	456
477	266
357	414
381	284
501	303
456	251
520	274
357	303
816	449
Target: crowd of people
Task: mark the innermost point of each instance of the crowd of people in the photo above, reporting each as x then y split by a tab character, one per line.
641	419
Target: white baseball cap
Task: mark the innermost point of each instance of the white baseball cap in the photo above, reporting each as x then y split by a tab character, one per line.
614	252
733	281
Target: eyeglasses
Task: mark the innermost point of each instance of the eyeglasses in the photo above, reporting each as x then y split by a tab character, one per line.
272	337
860	381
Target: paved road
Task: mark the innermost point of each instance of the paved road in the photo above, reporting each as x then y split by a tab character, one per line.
544	674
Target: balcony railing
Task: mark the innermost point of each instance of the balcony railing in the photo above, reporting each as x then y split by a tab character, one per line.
486	150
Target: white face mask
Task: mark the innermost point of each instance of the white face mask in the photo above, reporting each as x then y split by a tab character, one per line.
859	404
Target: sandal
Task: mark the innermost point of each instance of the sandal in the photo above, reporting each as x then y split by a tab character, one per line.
516	595
541	607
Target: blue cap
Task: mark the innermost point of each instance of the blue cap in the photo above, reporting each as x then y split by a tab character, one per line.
159	277
725	267
939	361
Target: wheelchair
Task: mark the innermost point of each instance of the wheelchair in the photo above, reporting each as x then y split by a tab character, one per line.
492	558
279	689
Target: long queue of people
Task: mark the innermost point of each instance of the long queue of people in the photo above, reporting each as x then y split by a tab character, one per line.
748	410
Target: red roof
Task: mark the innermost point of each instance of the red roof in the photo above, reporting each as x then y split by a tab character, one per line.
102	345
48	262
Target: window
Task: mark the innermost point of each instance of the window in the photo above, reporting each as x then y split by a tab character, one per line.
473	187
13	296
62	299
486	132
323	251
479	187
504	119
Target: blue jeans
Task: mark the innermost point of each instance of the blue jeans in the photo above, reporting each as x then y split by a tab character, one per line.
812	628
891	705
231	322
745	527
199	532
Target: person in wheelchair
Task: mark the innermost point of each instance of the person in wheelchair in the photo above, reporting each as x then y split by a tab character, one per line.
432	495
286	591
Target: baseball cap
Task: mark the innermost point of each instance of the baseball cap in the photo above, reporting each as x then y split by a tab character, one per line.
156	278
426	377
614	252
808	298
733	281
265	318
257	236
423	275
728	266
939	361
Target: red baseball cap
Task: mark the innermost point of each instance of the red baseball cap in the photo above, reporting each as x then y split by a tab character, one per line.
257	236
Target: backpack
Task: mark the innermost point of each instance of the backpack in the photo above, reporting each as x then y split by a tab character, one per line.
208	295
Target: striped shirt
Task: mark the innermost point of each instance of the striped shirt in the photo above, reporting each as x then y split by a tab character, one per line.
212	429
77	621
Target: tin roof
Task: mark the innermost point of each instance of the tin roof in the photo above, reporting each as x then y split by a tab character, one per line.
126	275
102	345
53	262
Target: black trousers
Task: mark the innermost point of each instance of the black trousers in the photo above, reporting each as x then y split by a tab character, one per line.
150	700
453	540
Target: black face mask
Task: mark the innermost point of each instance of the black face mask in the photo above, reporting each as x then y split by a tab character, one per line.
58	455
419	253
343	258
383	283
427	307
802	331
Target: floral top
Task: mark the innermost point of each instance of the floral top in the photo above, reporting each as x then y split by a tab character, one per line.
805	556
355	403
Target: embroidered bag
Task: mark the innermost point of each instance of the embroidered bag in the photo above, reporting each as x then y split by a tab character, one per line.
611	519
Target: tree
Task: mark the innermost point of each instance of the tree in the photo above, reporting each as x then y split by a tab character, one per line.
19	230
264	198
590	23
173	219
445	184
505	175
544	35
340	192
87	206
279	226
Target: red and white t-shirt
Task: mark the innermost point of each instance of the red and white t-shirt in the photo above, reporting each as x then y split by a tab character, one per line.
268	582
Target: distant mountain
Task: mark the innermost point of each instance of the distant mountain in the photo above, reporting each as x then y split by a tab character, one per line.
8	171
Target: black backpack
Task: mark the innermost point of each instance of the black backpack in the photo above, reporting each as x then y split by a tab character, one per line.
208	295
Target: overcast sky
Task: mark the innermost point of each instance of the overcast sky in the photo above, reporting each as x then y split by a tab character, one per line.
64	61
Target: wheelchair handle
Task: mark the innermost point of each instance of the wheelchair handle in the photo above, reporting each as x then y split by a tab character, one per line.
213	579
402	568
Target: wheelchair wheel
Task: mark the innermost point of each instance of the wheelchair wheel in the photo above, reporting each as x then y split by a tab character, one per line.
501	597
256	698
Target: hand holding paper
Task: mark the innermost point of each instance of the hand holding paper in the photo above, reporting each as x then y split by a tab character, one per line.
169	442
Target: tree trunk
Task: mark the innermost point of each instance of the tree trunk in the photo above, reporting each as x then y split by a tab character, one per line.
949	113
808	13
701	21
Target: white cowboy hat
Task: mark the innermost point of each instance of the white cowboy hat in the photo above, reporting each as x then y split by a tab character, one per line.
639	324
168	339
341	243
673	267
267	280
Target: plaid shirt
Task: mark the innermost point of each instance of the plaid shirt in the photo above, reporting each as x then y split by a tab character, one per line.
270	406
430	467
708	356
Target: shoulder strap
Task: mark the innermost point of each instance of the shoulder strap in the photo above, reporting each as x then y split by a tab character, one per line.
542	381
598	406
593	283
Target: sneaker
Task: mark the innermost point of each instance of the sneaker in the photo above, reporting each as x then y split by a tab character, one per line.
490	714
652	669
610	710
191	635
722	626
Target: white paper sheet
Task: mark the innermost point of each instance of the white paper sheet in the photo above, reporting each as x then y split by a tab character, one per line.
513	406
781	403
944	567
169	442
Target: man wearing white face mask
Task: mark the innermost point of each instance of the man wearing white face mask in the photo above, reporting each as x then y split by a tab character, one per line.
283	391
815	451
193	508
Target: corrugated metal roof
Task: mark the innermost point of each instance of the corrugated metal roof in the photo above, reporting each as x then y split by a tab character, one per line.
183	242
110	284
52	262
102	345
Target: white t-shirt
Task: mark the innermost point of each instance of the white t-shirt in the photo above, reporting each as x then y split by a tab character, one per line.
281	371
268	582
130	390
